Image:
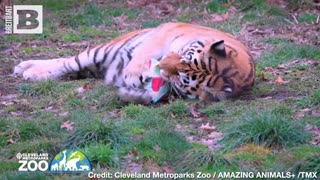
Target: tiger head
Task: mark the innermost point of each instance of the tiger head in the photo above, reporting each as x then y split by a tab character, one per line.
210	74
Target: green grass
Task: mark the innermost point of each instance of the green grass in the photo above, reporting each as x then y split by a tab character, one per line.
271	129
309	18
29	131
311	100
275	41
44	88
95	132
308	164
287	52
151	23
259	130
200	157
102	154
217	6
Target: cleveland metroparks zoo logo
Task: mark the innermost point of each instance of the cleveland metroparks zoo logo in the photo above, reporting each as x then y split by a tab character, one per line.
23	19
70	160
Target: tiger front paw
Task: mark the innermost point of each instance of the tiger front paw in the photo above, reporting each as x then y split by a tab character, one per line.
136	76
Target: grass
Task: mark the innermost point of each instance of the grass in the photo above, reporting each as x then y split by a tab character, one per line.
44	88
287	52
259	129
217	6
200	157
102	154
271	129
311	100
95	132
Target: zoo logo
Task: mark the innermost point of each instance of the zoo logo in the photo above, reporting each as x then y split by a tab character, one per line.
70	160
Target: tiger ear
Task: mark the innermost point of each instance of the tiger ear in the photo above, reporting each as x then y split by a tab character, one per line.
218	49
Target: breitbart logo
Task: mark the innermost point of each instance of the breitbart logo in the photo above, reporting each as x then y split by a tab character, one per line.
23	19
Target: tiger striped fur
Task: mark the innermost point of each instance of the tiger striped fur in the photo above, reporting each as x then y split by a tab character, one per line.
123	62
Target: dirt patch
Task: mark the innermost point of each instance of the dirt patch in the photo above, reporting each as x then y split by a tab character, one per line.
8	82
275	95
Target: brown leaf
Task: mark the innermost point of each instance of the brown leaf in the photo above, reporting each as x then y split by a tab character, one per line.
135	152
151	166
18	113
207	127
301	114
232	9
86	87
114	112
168	169
219	17
7	103
10	96
68	125
315	114
280	81
157	148
134	167
10	141
211	143
194	110
64	114
51	109
268	97
172	115
215	135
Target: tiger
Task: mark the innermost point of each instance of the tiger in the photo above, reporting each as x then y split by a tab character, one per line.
123	62
208	78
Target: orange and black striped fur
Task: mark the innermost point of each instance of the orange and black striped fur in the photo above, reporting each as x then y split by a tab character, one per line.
123	62
210	74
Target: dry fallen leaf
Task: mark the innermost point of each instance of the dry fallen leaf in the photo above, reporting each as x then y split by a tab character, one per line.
172	115
280	81
151	166
190	139
68	125
84	88
10	141
157	148
215	135
194	110
9	96
134	152
134	167
301	114
179	128
316	132
168	169
7	103
232	9
18	113
268	97
211	143
207	127
315	114
216	17
64	114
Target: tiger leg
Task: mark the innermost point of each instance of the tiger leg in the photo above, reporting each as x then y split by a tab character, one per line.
37	70
137	72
